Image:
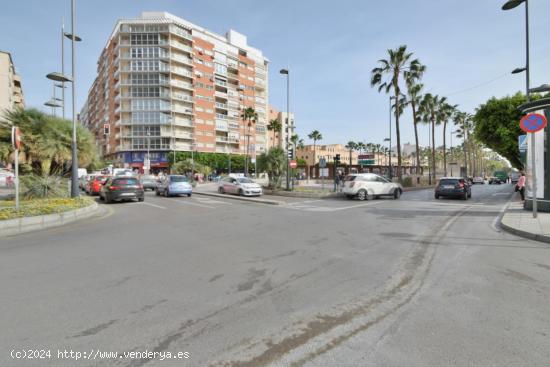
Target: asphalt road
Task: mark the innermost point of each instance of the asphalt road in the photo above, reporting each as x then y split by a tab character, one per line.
409	282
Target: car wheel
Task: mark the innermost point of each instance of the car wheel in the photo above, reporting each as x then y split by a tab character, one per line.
141	199
220	190
107	200
100	198
362	195
157	192
396	194
465	196
436	196
241	192
188	195
349	196
166	193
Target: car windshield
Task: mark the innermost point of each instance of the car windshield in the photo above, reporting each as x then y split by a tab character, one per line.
350	178
178	179
125	181
448	182
244	180
101	178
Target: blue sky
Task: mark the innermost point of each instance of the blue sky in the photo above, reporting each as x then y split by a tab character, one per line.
468	46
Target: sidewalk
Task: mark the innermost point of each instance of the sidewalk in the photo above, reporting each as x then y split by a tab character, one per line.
520	222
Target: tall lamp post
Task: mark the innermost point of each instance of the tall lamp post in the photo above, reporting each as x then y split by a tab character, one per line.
511	4
61	77
287	132
451	151
389	154
391	173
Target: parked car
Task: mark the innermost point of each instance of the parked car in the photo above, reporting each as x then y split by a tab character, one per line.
239	185
514	177
120	189
494	181
369	186
93	186
478	180
148	182
174	185
453	187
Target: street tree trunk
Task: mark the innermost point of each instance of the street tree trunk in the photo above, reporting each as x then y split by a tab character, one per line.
398	136
433	149
416	139
445	147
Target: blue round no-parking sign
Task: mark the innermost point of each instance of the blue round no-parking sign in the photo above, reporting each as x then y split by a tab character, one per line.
533	122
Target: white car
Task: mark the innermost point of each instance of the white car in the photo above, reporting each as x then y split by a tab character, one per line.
366	186
478	180
239	185
6	177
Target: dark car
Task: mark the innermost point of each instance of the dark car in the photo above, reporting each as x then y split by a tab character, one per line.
453	187
494	181
149	182
121	188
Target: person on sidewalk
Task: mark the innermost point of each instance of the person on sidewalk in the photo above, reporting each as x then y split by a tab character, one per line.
521	186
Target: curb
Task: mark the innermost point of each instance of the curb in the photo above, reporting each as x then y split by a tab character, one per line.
28	224
524	234
307	195
233	197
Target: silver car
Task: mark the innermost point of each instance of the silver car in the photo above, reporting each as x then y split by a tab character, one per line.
239	185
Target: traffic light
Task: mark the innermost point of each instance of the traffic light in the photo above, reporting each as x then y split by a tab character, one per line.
337	159
106	129
290	153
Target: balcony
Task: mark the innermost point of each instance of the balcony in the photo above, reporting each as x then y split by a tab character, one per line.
221	125
180	32
184	110
182	71
220	94
182	59
181	84
183	122
221	139
184	135
221	105
221	83
182	97
234	125
181	46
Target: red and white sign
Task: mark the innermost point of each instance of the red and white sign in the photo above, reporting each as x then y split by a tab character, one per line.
293	164
16	137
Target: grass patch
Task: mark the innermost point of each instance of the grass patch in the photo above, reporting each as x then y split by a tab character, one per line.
30	208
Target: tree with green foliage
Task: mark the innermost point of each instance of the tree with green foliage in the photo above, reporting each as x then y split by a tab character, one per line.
46	141
315	135
351	146
398	62
273	162
275	126
497	126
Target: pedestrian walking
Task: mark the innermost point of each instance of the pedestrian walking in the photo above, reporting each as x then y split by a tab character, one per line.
520	186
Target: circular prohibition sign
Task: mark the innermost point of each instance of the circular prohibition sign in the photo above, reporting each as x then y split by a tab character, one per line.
533	122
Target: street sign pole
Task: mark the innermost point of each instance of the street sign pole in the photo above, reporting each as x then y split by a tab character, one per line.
16	142
532	123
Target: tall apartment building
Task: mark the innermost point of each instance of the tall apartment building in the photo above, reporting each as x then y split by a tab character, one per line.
278	138
167	85
11	94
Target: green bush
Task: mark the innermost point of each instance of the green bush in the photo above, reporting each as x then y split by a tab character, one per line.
407	182
38	187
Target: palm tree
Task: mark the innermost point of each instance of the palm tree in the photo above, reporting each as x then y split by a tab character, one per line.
463	121
351	146
414	95
315	135
250	115
294	139
275	126
397	64
429	110
360	146
445	112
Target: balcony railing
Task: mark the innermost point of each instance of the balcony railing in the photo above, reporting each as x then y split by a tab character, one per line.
182	71
181	46
182	97
182	59
221	105
183	122
184	110
181	32
181	84
221	125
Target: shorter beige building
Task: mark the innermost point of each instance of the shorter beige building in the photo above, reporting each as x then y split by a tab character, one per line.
11	93
278	138
329	152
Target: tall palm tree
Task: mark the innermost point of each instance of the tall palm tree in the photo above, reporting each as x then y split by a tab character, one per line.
395	66
275	126
445	112
463	122
250	116
351	146
315	135
360	146
429	110
414	95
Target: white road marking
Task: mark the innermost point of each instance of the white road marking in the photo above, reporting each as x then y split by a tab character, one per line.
153	205
500	193
194	204
210	201
304	202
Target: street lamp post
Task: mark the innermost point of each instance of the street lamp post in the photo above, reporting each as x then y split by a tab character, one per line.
511	4
287	73
389	153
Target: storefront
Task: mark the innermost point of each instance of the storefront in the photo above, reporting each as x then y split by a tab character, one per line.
135	160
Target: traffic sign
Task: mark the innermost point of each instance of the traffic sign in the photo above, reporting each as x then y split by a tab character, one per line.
15	137
522	143
533	122
322	162
366	161
293	164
